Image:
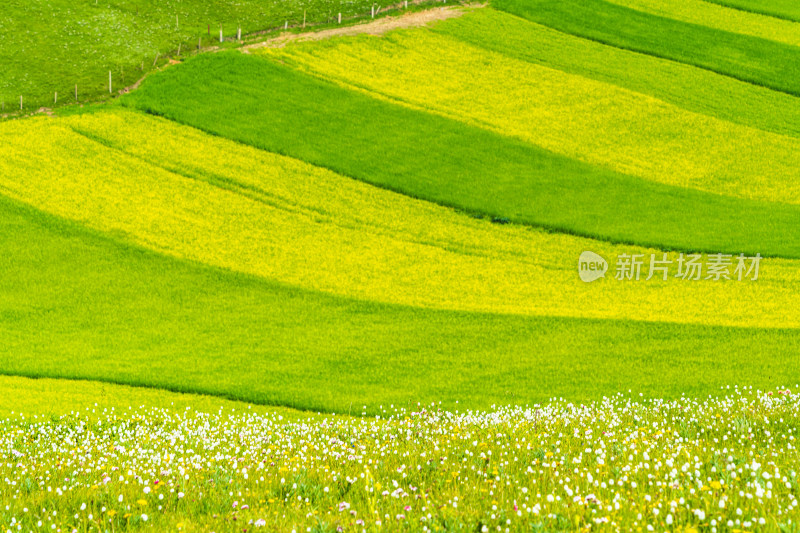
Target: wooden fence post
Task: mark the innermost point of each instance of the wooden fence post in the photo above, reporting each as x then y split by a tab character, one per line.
304	19
340	18
220	33
55	98
76	92
109	82
20	102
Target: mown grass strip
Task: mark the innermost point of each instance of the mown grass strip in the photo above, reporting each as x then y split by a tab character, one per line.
176	190
712	15
760	61
686	86
75	304
275	108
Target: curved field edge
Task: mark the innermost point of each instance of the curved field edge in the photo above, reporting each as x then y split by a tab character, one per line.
179	191
80	306
712	15
686	86
608	127
52	397
751	59
50	46
782	9
461	165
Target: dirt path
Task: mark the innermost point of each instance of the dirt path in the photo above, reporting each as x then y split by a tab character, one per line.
376	27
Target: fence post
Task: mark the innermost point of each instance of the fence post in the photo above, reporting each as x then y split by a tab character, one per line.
20	102
55	98
239	34
304	19
109	82
220	33
286	25
372	11
76	92
340	18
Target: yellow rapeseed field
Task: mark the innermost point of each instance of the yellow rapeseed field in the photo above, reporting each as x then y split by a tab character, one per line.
593	121
720	17
190	195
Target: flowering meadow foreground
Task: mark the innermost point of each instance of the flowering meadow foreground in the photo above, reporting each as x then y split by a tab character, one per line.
722	464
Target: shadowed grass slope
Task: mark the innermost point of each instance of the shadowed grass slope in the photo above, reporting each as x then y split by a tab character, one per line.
686	86
255	101
179	191
79	305
760	61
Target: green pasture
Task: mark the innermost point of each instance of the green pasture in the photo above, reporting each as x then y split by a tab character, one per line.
784	9
50	46
692	88
76	304
271	106
751	59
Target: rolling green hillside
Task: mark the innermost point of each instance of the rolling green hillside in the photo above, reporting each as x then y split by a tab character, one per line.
686	86
477	170
237	245
752	59
50	46
784	9
78	304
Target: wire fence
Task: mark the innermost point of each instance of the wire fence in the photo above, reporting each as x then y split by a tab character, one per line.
121	78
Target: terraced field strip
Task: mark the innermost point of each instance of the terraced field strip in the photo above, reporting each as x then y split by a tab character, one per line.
755	60
577	117
190	195
704	13
686	86
467	166
784	9
77	303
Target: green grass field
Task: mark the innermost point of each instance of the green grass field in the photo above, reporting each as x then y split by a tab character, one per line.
751	59
334	285
76	304
50	46
462	165
784	9
686	86
719	17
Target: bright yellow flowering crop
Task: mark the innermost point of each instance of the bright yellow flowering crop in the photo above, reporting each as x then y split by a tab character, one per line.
720	17
596	122
187	194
